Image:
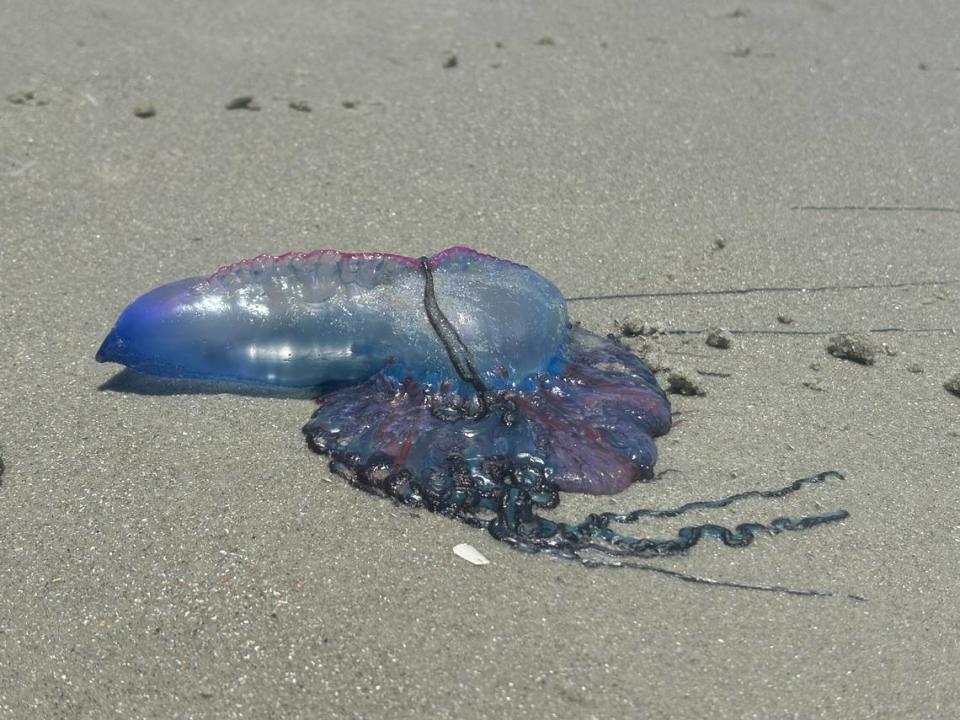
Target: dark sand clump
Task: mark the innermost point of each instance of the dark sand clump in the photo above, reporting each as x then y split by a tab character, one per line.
857	347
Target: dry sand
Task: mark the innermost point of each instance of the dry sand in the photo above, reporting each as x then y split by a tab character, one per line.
181	554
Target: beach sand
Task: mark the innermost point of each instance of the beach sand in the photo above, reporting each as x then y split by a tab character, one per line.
177	554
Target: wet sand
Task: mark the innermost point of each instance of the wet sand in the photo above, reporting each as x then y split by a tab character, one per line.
172	553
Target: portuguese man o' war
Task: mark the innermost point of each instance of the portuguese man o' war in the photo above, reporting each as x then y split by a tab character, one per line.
456	383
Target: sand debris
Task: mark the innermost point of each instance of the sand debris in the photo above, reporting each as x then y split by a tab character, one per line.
858	347
681	382
634	327
719	338
952	385
470	554
244	102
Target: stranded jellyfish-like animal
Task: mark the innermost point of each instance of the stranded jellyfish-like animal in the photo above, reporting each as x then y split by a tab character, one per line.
455	383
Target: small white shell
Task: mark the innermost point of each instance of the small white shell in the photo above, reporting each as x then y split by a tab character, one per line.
470	554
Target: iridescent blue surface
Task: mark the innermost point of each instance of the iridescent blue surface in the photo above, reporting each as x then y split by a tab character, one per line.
309	320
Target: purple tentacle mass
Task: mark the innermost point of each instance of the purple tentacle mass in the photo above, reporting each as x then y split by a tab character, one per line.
587	427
